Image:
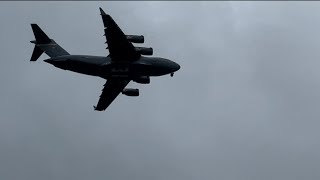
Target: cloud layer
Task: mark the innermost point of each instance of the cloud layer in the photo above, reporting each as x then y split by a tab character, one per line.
243	106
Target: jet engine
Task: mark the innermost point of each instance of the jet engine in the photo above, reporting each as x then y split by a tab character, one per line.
142	80
144	50
130	92
135	38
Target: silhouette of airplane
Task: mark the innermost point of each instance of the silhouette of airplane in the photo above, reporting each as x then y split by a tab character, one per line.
124	63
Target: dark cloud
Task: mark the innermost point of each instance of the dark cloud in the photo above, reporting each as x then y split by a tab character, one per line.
243	106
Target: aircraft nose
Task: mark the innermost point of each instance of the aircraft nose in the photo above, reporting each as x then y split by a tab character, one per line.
176	66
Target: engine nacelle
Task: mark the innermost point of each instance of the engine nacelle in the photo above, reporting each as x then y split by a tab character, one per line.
142	80
135	38
130	92
144	50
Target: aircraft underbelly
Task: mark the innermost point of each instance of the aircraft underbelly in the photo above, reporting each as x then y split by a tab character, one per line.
151	67
128	70
147	69
120	70
88	69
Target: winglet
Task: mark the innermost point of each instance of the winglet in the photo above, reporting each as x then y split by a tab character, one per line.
102	12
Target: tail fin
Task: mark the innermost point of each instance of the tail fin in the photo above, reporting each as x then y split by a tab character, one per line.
44	44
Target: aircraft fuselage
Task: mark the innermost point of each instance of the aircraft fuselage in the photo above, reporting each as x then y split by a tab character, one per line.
104	67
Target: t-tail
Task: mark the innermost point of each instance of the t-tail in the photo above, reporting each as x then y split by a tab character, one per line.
44	44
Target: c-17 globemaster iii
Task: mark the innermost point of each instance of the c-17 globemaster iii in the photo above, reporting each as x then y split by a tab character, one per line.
124	63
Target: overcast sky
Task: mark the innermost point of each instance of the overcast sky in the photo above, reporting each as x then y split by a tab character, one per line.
244	105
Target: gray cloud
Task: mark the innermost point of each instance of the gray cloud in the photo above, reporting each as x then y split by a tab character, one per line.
243	106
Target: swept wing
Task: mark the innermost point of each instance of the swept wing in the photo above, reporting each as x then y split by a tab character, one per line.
120	48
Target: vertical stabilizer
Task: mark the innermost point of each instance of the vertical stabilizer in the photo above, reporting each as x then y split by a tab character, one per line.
44	44
37	52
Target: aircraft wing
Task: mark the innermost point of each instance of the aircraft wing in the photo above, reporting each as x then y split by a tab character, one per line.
120	48
111	90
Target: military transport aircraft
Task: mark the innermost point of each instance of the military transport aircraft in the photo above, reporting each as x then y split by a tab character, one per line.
124	63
